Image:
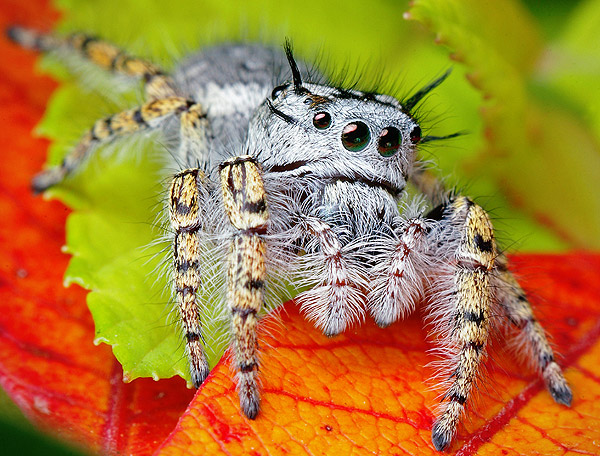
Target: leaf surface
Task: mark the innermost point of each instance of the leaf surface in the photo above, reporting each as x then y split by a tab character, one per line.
369	391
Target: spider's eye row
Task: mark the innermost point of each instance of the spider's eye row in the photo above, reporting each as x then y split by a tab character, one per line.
415	135
322	120
355	136
389	141
277	90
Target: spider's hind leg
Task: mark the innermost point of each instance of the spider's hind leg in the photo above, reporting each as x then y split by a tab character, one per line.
157	83
513	301
149	116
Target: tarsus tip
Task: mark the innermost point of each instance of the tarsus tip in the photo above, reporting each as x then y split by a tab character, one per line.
563	395
11	32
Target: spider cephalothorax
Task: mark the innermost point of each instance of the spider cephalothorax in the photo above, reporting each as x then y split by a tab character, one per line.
280	177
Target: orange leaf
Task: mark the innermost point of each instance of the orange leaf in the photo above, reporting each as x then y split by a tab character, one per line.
366	391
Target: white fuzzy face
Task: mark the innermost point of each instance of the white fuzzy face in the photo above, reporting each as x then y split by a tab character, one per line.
328	133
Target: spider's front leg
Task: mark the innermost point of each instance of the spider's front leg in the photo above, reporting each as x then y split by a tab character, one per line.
187	203
480	281
246	210
462	311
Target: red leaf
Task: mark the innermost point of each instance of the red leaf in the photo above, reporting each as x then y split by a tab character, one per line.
48	363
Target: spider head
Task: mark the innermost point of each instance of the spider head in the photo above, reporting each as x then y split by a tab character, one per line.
326	133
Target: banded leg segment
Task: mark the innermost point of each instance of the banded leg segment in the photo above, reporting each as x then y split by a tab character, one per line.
471	300
149	116
517	309
194	136
246	209
106	55
186	203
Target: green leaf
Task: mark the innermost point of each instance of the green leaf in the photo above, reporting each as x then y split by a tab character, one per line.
118	197
540	111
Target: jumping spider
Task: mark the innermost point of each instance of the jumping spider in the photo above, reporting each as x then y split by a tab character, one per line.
316	187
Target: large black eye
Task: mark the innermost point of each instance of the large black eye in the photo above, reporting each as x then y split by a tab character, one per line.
415	135
355	136
277	90
389	141
322	120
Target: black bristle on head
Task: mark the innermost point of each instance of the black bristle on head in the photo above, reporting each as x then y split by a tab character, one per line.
293	66
414	100
429	138
280	114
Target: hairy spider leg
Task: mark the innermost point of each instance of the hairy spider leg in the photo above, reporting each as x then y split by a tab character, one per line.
162	98
470	301
246	209
149	116
516	306
187	203
157	83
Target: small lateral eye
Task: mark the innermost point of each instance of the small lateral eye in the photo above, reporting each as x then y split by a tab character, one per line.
415	135
355	136
389	141
322	120
277	90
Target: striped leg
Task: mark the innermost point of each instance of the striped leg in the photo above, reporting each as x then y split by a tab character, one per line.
106	55
193	135
518	310
246	209
470	299
149	116
186	205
